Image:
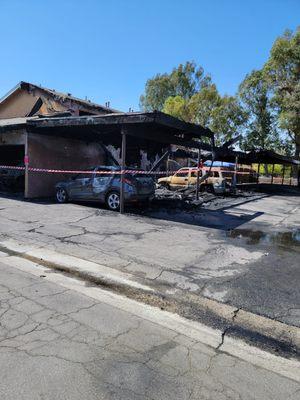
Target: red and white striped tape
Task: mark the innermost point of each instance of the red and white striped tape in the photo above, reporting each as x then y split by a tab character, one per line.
117	172
64	171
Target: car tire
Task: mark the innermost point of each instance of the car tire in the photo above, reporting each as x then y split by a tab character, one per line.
112	201
165	185
61	195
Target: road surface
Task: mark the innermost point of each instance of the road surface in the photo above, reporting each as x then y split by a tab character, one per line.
56	343
185	250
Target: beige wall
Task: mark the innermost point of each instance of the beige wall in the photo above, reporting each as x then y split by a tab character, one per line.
58	153
19	104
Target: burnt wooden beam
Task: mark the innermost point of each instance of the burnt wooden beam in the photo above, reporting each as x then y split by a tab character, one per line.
123	119
170	139
187	127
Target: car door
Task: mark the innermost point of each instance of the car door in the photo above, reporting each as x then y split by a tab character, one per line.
193	176
180	179
100	184
81	187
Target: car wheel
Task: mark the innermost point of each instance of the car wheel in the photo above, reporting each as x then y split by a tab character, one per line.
165	185
113	201
61	195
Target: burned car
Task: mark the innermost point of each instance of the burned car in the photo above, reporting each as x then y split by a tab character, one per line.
218	181
105	187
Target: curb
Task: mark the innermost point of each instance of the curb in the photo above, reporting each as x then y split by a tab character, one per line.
271	335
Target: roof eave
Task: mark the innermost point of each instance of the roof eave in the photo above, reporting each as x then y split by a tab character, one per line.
13	90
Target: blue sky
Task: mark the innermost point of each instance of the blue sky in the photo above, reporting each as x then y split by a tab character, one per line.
106	50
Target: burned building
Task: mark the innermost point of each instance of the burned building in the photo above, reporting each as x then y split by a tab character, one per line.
27	100
42	129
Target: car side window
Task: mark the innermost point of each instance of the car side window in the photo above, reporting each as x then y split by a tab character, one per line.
216	174
194	174
182	174
101	180
84	176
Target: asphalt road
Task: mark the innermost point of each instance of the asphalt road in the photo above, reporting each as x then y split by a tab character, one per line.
56	343
255	268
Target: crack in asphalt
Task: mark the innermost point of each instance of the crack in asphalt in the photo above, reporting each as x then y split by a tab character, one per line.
225	331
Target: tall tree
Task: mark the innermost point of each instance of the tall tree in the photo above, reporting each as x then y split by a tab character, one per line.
260	131
197	109
228	119
178	107
183	81
282	72
223	115
203	103
189	94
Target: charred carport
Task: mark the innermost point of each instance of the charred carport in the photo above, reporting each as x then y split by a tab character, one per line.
132	139
260	157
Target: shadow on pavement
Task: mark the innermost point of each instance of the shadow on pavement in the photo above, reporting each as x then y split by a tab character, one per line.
176	211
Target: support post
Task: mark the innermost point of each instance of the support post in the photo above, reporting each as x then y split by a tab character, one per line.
123	166
258	174
272	173
235	171
26	162
283	172
198	174
291	175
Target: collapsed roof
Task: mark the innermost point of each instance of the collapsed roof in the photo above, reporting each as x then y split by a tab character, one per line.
38	100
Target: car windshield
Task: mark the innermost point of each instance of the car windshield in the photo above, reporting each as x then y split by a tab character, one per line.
183	173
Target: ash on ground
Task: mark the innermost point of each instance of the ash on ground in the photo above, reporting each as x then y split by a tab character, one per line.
180	199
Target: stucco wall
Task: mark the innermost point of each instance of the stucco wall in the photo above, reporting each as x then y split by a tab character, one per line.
58	153
19	104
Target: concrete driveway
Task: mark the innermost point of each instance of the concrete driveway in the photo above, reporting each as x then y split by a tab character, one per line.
244	252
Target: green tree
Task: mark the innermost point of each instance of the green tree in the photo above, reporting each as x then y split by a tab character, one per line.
223	115
187	93
177	107
260	131
227	119
282	72
183	81
203	103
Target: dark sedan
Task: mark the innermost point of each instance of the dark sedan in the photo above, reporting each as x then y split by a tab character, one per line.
105	188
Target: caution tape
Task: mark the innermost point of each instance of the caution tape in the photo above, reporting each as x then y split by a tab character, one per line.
11	167
113	172
92	172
